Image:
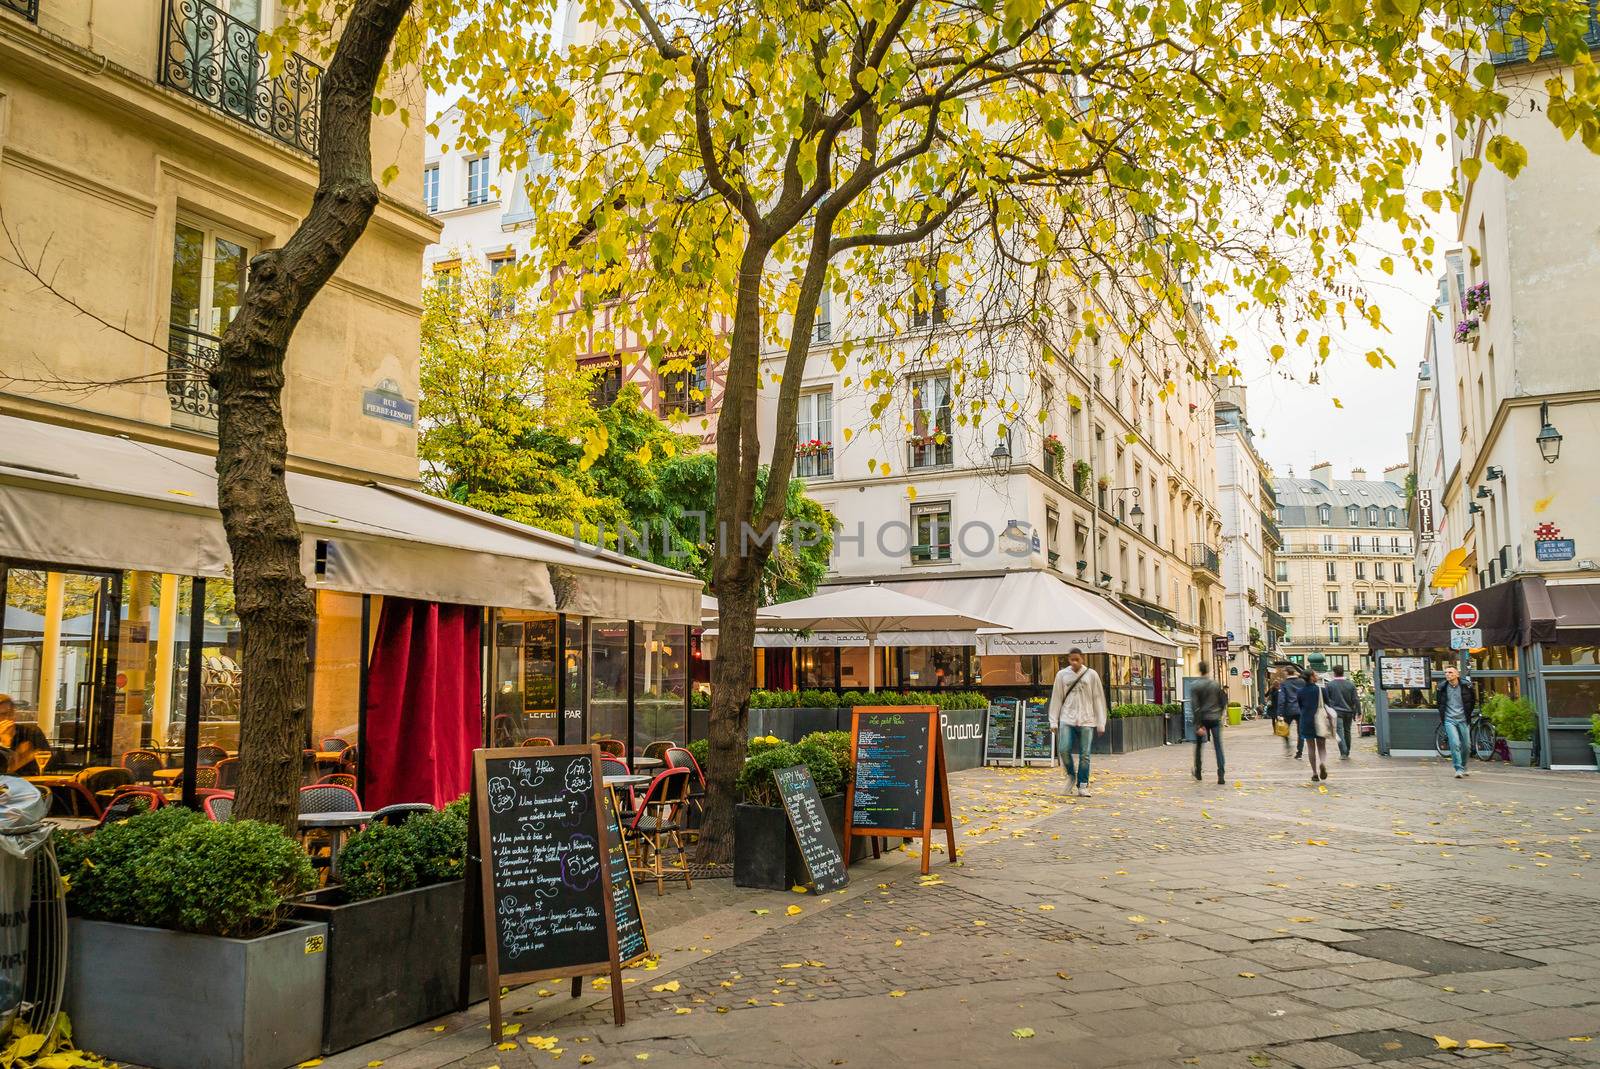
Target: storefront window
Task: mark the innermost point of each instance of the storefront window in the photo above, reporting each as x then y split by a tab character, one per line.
1572	655
524	702
916	668
814	667
336	672
54	633
219	658
660	683
142	708
608	680
853	667
1494	659
1005	670
572	653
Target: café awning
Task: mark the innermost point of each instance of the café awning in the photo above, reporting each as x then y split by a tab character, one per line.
75	498
1451	570
1519	612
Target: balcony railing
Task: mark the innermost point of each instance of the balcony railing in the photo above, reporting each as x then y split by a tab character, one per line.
1270	529
28	9
191	358
1276	621
814	464
213	57
929	454
1204	557
1517	47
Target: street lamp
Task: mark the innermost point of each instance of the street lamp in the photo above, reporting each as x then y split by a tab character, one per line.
1000	459
1484	492
1136	514
1549	439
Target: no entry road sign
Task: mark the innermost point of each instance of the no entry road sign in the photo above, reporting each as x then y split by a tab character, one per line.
1464	615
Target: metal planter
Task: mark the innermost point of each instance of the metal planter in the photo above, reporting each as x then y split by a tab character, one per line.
183	1001
1521	753
1124	734
392	962
765	854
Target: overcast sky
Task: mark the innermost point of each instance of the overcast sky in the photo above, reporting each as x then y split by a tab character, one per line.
1297	424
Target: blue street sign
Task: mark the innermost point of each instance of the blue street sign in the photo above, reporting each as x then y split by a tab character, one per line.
1551	549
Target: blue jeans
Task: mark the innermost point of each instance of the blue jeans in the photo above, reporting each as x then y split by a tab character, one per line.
1214	732
1073	741
1458	734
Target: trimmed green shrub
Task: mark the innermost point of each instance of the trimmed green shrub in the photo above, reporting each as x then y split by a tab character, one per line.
1512	717
701	749
826	771
1594	729
830	699
838	744
438	844
173	868
755	785
1118	712
376	861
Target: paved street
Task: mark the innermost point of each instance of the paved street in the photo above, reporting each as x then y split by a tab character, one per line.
1162	922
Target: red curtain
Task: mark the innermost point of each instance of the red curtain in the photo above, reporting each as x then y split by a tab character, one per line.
780	669
424	703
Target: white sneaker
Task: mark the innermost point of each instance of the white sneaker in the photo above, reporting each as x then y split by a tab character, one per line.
1460	775
1083	792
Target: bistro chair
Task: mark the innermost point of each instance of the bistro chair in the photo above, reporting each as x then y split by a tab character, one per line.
400	812
72	799
338	779
130	802
227	773
611	747
334	744
658	821
329	798
206	778
143	764
614	766
537	740
349	758
658	750
219	806
103	778
210	755
678	757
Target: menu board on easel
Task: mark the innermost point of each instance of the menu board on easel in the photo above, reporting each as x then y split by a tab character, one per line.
813	834
1000	742
900	788
1038	744
554	899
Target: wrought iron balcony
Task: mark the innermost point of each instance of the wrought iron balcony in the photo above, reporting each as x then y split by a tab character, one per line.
213	57
1270	529
191	359
813	463
1205	558
28	9
1517	47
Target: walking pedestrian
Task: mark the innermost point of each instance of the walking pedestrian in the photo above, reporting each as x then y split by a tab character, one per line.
1289	711
1456	700
1077	714
1344	701
1210	702
1316	723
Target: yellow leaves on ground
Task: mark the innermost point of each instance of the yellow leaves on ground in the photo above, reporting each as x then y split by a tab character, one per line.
505	1046
682	1011
1316	842
1248	975
1446	1043
309	1063
897	994
543	1042
1022	1033
798	889
586	1059
1137	918
761	912
794	911
670	985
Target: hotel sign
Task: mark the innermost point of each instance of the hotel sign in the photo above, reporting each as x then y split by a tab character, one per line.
1425	525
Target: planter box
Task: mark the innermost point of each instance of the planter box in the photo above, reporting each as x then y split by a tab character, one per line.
183	1001
1124	734
1521	753
764	851
1174	726
392	962
791	724
1596	748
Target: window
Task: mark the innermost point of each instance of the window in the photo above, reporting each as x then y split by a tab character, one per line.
430	187
607	380
928	310
1377	570
683	392
478	180
1394	517
1283	601
1361	569
822	329
1372	516
1352	516
209	267
1327	544
1325	513
1399	601
1052	533
1394	545
1361	601
1333	630
1383	602
814	443
1357	543
1281	571
930	445
500	303
1333	601
930	531
1333	571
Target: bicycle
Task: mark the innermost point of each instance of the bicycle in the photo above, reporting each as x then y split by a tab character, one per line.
1480	739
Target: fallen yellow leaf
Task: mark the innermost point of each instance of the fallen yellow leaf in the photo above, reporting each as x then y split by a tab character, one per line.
303	1065
1022	1033
899	942
683	1011
794	911
374	1064
543	1042
505	1046
1248	975
511	1029
670	985
436	1028
1137	918
897	994
1484	1044
1446	1043
586	1059
1579	1039
641	1056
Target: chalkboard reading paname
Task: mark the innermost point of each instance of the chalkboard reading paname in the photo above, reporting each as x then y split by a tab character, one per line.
548	876
900	787
812	832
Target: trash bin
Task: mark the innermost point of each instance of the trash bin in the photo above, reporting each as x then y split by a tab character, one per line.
23	835
1235	713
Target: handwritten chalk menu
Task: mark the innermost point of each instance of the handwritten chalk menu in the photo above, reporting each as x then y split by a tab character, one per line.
631	940
900	787
891	770
812	832
1037	744
547	873
1000	745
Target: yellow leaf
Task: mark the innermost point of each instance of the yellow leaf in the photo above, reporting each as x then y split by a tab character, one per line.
794	911
683	1011
1484	1044
1446	1043
436	1028
980	924
506	1046
24	1052
1579	1039
642	1057
1302	920
1063	976
1248	975
1137	918
1046	909
511	1029
791	965
374	1064
586	1059
670	985
899	942
761	912
798	889
897	994
543	1042
1203	813
1022	1033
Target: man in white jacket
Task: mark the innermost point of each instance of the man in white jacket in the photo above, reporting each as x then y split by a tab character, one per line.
1077	714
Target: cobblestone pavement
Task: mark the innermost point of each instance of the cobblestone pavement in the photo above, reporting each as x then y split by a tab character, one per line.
1267	922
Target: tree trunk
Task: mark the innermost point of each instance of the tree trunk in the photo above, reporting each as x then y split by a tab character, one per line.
275	609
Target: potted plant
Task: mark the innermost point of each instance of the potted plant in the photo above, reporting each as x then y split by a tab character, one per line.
1054	453
1476	300
1467	330
1514	720
1594	738
394	927
180	953
1132	727
1082	475
764	852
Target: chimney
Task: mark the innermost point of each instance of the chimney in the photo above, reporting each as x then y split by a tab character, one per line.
1322	471
1396	473
1358	474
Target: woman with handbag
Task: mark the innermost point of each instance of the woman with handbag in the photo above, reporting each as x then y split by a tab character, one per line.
1316	724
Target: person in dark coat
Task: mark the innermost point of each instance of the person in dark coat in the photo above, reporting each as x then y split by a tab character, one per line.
1289	710
1345	702
1457	700
1309	700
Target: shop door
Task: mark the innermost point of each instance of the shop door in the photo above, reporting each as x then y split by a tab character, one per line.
58	657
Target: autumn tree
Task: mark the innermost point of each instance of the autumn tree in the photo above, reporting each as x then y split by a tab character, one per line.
708	168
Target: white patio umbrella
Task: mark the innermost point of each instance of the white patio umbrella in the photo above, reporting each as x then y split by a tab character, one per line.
870	610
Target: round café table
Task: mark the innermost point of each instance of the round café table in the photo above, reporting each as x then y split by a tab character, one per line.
628	781
337	825
645	762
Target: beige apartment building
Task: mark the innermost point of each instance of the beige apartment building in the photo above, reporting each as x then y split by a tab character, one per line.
147	153
1250	544
1346	562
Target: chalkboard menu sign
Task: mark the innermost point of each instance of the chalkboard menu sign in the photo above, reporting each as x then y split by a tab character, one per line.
1000	744
812	832
548	848
898	753
1037	745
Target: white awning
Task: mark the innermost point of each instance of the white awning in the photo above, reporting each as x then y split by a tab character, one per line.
1042	614
77	498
